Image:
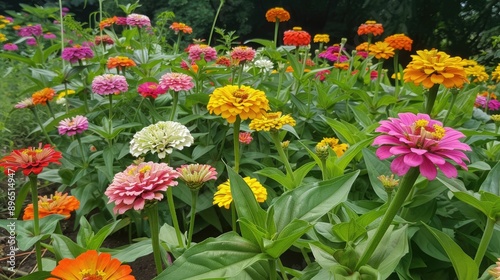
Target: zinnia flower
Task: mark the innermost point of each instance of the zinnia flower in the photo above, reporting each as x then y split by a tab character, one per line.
77	53
75	125
199	51
151	89
435	67
330	143
195	175
381	50
419	141
223	197
370	27
30	30
399	42
321	38
495	75
181	27
176	82
104	39
296	37
245	138
139	184
10	47
271	121
91	265
321	75
333	53
243	54
482	101
31	42
161	137
277	14
232	101
107	22
26	103
31	160
57	203
109	84
49	36
138	20
264	64
43	96
120	62
64	93
478	72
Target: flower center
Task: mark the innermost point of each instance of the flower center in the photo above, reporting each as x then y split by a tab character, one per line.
98	275
240	95
435	132
145	169
296	28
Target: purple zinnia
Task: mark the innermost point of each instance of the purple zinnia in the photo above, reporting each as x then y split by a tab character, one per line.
10	47
138	20
30	30
31	41
109	84
333	54
75	125
76	53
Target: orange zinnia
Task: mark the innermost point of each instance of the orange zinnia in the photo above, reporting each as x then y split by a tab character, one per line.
370	27
399	42
120	62
31	160
296	37
181	27
107	22
57	203
43	96
381	50
277	14
93	266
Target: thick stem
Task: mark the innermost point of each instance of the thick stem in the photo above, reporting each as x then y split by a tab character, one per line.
282	269
276	29
36	220
194	198
175	100
215	20
485	241
406	186
452	103
272	269
431	98
152	212
42	128
171	207
284	159
176	47
236	144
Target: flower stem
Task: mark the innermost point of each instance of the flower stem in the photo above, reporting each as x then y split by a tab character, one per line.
175	100
81	148
236	144
276	139
233	217
42	128
50	110
272	269
110	107
152	213
452	103
171	207
485	241
194	198
431	98
276	29
396	74
61	28
215	20
282	269
176	48
406	186
36	220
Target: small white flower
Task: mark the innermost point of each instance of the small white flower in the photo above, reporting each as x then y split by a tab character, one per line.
264	64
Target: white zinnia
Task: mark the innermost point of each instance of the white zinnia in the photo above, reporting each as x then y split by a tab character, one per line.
264	64
161	138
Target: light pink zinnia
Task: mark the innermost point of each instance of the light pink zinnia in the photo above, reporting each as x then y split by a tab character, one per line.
199	51
195	175
245	137
10	47
151	89
77	53
30	30
75	125
243	54
138	20
109	84
176	82
139	184
419	141
491	104
26	103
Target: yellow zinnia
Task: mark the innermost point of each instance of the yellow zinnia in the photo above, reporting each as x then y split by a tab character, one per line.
270	121
475	71
232	101
333	143
321	38
429	67
223	197
495	75
381	50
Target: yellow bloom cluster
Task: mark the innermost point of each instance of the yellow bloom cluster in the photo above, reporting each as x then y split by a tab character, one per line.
381	50
333	143
272	121
321	38
475	70
495	75
223	197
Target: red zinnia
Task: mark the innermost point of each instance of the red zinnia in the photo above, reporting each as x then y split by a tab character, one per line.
370	27
296	37
31	160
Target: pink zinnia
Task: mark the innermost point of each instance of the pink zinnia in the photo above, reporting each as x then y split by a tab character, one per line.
321	75
77	53
49	36
75	125
121	21
199	51
26	103
243	53
492	104
150	89
195	175
109	84
373	75
10	47
245	137
176	82
333	53
419	141
31	41
138	20
141	183
31	30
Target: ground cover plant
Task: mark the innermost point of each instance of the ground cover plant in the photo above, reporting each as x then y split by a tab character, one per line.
290	157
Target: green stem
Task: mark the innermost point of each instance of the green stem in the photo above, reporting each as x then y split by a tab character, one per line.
215	20
276	139
452	103
236	144
485	241
406	186
81	148
175	100
42	128
272	269
431	98
282	269
176	47
50	110
62	29
233	217
276	29
240	73
194	198
306	257
36	220
152	213
171	207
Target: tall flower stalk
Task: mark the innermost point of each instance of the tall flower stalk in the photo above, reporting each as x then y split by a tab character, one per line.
36	220
154	226
215	21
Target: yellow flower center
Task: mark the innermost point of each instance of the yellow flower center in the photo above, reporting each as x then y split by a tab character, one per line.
296	28
240	94
145	169
438	132
435	132
421	124
99	275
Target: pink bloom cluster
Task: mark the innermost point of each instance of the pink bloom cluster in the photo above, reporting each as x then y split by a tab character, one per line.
176	82
333	54
492	104
49	36
151	89
199	51
419	141
138	20
243	54
77	53
245	138
31	41
75	125
30	30
321	75
141	183
109	84
10	47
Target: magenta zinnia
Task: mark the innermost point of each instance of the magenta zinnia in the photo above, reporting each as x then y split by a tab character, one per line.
243	53
77	53
139	184
150	89
199	51
75	125
176	82
109	84
419	141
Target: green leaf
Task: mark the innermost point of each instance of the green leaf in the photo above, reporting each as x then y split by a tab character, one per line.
492	182
277	175
375	168
286	238
302	171
64	247
36	276
343	161
96	241
310	202
472	201
19	58
222	257
132	252
464	266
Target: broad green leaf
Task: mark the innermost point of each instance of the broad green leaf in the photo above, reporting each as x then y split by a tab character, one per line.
132	252
492	182
96	241
277	175
64	247
472	201
222	257
286	238
258	270
349	231
343	161
301	172
375	168
36	276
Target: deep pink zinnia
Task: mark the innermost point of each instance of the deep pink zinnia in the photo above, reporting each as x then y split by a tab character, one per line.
77	53
151	89
245	138
75	125
419	141
243	54
199	51
176	82
491	104
31	42
138	20
10	47
139	184
49	36
30	30
109	84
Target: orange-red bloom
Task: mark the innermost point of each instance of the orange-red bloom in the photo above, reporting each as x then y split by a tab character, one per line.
181	27
91	266
31	160
399	42
370	27
107	22
120	62
43	96
277	14
296	37
58	203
